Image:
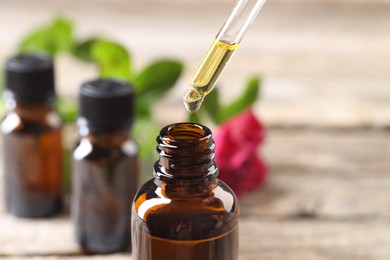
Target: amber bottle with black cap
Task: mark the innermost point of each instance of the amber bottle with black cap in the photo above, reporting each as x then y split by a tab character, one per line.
32	145
185	212
105	167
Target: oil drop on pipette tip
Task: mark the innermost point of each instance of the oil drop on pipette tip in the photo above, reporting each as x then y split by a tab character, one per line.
193	100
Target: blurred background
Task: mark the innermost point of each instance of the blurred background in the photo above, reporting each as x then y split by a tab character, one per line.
325	101
329	56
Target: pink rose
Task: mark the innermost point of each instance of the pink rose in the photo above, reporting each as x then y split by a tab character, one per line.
237	141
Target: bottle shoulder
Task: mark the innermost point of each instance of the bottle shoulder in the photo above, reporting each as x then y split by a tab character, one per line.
153	200
87	150
12	122
213	213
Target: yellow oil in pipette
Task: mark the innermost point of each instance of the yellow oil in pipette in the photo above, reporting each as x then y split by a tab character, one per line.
207	73
220	52
211	66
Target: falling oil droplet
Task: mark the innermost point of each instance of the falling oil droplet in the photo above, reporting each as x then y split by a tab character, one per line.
193	100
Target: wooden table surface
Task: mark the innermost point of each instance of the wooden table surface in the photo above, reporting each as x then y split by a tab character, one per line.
327	197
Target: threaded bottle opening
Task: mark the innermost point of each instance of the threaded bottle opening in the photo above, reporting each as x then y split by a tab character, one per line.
186	150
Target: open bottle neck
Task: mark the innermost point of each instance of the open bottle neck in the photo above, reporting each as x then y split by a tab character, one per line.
186	155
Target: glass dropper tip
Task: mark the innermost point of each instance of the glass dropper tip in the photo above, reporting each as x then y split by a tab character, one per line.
193	100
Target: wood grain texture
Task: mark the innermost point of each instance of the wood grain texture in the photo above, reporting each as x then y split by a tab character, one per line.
324	174
325	67
326	197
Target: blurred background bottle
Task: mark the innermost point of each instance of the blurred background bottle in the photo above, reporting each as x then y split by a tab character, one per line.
32	149
185	212
105	167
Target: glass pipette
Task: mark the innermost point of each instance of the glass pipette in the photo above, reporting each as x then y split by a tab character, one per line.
220	52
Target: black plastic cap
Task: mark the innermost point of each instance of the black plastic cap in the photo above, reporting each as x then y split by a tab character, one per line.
106	104
30	78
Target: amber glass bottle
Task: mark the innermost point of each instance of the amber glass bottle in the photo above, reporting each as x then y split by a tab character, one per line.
185	212
32	148
105	167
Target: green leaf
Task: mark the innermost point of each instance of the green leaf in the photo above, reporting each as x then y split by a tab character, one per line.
2	81
208	110
37	41
67	108
158	77
53	38
143	106
145	131
62	34
245	100
112	59
3	108
211	105
83	50
195	118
